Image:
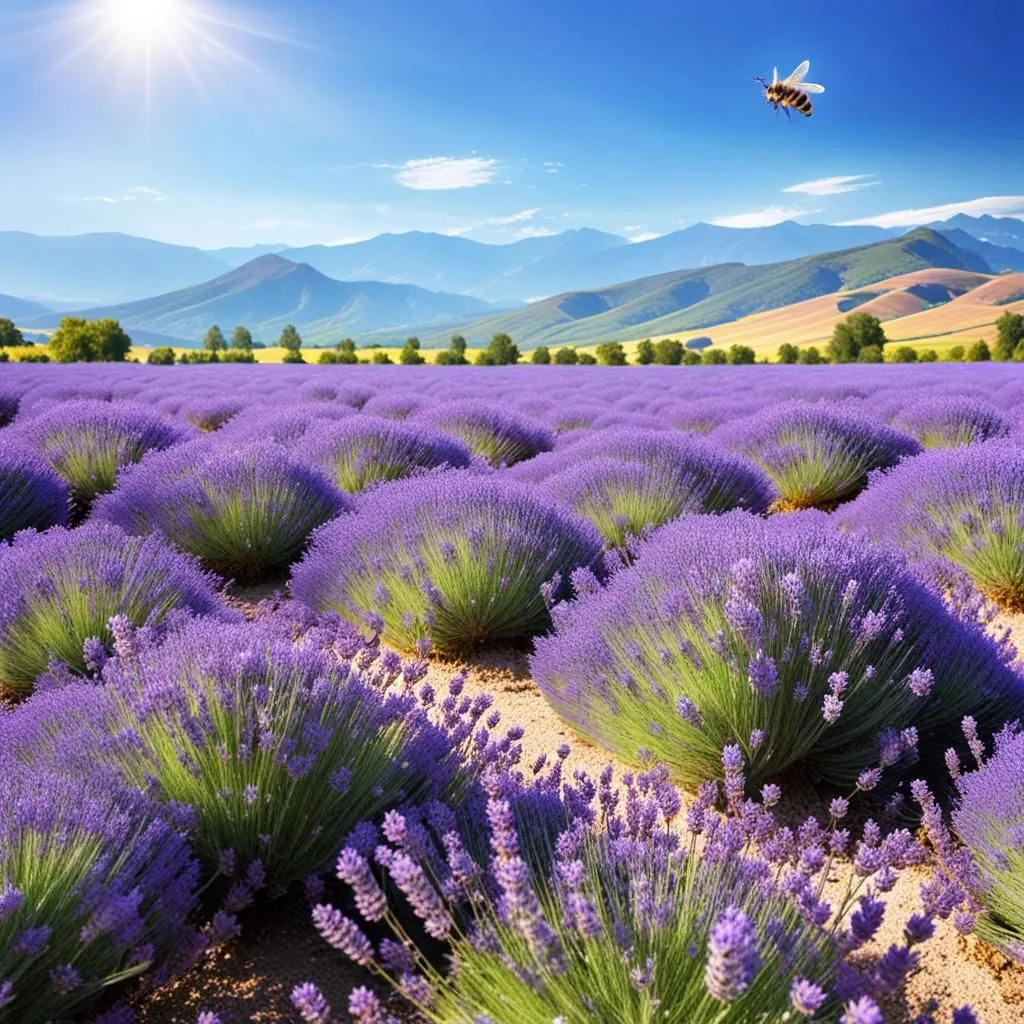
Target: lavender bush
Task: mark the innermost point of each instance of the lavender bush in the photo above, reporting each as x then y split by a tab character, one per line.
454	558
494	433
60	588
88	443
365	450
964	505
32	496
628	481
948	421
94	890
247	511
629	924
782	636
817	455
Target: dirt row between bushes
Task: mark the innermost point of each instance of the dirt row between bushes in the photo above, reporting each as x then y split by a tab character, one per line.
251	980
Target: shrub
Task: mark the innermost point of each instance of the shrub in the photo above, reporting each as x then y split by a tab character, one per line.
692	359
396	405
365	450
246	511
871	354
852	335
234	355
818	455
988	816
905	354
946	421
162	356
929	355
59	588
541	356
668	352
500	351
87	341
979	353
566	356
32	496
454	557
382	359
810	356
611	353
292	355
956	354
627	918
277	749
90	443
410	354
742	355
781	636
586	359
645	352
629	481
94	892
210	414
495	434
963	505
788	354
714	357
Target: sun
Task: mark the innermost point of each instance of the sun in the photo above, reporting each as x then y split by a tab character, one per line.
143	22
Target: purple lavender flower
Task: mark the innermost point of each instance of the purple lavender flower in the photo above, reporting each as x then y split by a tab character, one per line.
862	1011
245	511
806	997
491	432
948	421
310	1002
32	496
343	934
387	560
732	956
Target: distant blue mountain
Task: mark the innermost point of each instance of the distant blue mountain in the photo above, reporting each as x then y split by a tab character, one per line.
16	309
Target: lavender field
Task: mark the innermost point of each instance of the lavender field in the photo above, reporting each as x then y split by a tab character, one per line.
524	695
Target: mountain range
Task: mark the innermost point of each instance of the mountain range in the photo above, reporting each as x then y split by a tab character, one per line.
269	292
111	269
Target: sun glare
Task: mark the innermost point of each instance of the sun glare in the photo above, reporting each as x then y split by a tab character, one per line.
143	21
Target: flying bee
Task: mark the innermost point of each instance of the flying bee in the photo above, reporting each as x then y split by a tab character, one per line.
790	92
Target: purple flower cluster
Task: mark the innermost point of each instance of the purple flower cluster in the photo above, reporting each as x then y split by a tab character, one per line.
454	558
829	651
962	505
60	589
247	511
499	436
32	496
948	421
817	455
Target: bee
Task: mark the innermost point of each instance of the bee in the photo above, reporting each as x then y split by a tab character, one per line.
791	92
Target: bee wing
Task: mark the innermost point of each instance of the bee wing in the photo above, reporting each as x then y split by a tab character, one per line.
775	76
811	87
799	74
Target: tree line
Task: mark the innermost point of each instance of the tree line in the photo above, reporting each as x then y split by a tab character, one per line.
859	338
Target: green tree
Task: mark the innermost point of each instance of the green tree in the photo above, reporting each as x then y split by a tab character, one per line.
905	354
853	334
645	353
89	341
541	356
871	354
956	354
788	354
714	357
929	355
290	341
410	355
586	359
692	359
1009	334
214	340
33	357
292	355
979	353
241	339
162	356
382	358
567	357
454	354
346	352
810	356
327	358
501	351
611	353
9	334
668	352
742	355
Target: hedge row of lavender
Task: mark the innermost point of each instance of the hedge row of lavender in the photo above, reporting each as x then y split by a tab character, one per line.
483	517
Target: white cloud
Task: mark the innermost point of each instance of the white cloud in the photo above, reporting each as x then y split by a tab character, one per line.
273	223
997	206
643	236
446	172
761	218
534	232
131	195
833	186
490	222
553	166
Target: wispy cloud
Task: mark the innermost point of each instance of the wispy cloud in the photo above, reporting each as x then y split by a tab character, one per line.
493	222
553	166
644	236
833	186
761	218
446	172
131	195
534	232
996	206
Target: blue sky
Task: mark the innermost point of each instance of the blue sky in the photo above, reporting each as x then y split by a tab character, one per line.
330	120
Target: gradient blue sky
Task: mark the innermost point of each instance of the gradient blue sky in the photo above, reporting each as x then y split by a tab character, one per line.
331	120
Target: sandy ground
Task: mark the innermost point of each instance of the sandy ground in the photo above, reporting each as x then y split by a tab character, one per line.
251	980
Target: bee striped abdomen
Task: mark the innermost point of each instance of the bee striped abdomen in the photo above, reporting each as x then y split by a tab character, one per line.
798	100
